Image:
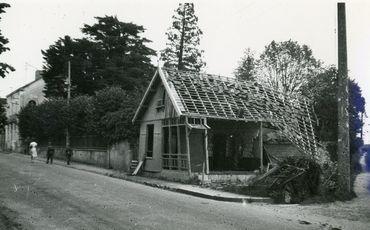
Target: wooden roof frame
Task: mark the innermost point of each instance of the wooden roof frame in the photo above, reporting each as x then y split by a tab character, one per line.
201	95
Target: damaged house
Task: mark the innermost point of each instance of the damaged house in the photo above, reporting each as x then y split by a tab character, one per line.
195	124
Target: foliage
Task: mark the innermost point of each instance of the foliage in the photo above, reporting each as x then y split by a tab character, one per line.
127	58
287	66
4	68
322	90
114	110
29	123
355	111
329	172
292	180
43	122
81	116
111	53
246	69
53	116
107	114
182	49
85	58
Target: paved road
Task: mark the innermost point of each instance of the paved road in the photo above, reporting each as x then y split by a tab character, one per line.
40	196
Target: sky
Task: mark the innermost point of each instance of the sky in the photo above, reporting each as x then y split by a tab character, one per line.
229	27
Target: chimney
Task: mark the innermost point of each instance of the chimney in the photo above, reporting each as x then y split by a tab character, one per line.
38	74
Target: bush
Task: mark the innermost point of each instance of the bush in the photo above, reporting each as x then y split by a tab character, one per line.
114	110
44	121
107	114
329	173
81	116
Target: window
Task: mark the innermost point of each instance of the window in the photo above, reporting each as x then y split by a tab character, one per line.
170	142
160	102
149	140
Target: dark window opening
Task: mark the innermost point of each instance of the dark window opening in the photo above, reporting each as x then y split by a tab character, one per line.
174	142
166	143
150	139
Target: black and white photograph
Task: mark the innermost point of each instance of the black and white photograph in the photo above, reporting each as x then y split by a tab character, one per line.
167	114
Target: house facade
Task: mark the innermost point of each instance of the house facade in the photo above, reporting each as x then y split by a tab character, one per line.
195	124
29	93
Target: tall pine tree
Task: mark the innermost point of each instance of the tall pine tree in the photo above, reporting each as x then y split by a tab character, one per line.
246	69
182	49
4	68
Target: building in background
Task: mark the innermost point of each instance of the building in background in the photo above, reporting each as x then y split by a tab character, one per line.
2	129
29	93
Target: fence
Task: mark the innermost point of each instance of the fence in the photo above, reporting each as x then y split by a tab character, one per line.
88	142
175	161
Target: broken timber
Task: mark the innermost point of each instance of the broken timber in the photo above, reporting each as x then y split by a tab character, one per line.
209	96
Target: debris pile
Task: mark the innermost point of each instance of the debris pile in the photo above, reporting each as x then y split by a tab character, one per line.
291	181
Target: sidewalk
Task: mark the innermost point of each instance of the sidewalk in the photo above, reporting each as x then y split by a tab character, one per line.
192	190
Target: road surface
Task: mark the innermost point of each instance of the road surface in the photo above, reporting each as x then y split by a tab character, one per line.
42	196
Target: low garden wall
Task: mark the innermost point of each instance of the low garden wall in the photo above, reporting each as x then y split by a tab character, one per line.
117	156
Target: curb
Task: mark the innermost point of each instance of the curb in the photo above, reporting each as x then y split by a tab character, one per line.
243	200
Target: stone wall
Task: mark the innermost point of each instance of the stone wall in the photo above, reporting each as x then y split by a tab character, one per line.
117	156
120	156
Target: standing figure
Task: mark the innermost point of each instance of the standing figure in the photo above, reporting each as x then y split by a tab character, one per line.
33	150
50	154
69	154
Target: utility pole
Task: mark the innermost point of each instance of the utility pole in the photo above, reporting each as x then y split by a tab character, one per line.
344	163
68	99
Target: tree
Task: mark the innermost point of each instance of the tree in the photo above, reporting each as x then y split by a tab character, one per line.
4	68
85	57
182	49
127	58
356	111
246	69
323	92
111	53
287	66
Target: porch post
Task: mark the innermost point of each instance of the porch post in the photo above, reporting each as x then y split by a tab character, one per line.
170	165
206	146
187	144
261	147
178	147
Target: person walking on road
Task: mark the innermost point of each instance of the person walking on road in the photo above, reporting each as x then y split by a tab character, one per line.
33	150
69	154
50	154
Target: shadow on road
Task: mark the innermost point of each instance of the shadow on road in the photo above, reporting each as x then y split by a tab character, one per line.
8	218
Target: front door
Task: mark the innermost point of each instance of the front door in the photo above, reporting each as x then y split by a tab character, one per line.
219	152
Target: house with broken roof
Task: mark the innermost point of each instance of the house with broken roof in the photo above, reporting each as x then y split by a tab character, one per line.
196	124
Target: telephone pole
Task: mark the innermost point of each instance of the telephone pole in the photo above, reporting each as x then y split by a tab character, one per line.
344	161
68	99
